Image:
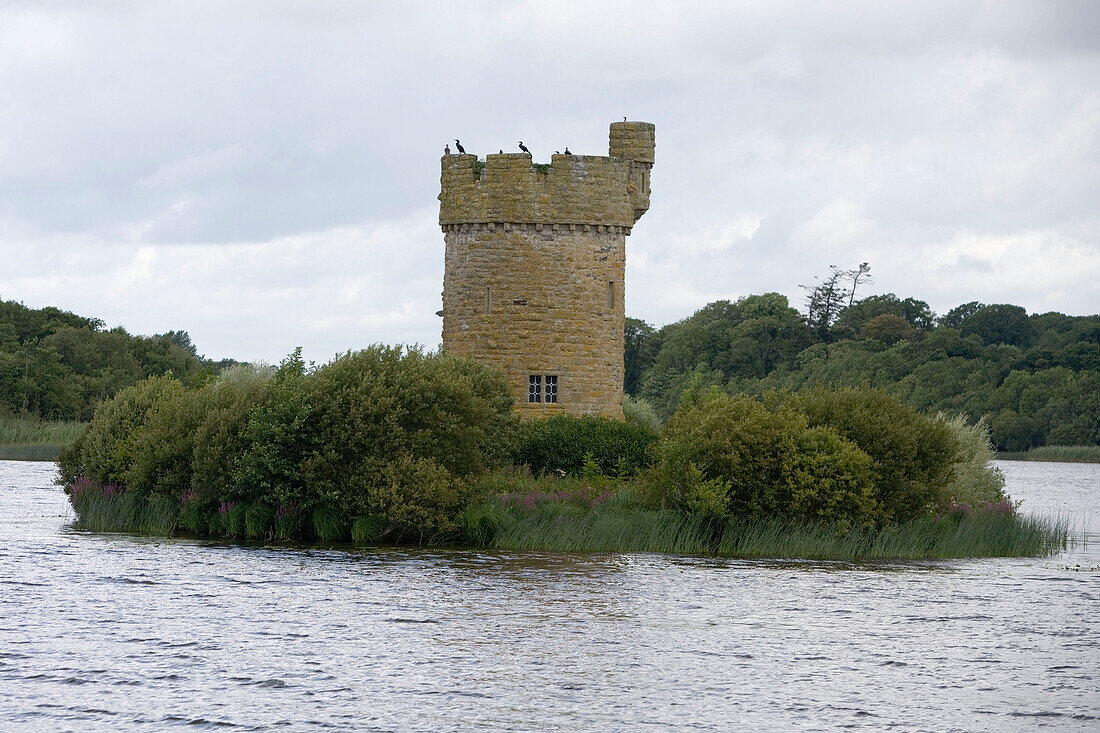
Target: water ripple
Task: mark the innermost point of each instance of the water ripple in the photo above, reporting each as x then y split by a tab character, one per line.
135	633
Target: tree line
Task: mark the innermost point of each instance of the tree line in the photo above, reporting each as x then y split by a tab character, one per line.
58	365
1034	378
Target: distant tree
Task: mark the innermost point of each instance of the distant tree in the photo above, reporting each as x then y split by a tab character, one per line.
640	344
1000	324
181	339
58	365
831	295
863	272
889	329
915	312
823	302
958	315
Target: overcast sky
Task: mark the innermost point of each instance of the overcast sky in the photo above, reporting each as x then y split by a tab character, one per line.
264	175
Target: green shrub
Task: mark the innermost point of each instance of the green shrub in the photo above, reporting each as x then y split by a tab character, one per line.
829	478
220	437
383	431
384	420
561	444
640	413
726	456
974	481
104	453
277	440
723	456
420	499
160	450
913	454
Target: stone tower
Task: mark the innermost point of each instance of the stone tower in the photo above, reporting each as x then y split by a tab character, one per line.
534	268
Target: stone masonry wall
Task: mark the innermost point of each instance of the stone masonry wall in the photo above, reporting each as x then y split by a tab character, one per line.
539	302
535	262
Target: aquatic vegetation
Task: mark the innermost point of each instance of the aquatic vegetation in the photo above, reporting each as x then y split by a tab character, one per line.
29	438
626	528
1069	453
330	525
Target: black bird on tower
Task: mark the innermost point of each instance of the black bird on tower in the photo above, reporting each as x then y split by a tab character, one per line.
461	150
524	147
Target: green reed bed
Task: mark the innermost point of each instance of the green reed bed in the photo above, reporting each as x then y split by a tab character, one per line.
33	439
949	537
1064	453
563	527
108	511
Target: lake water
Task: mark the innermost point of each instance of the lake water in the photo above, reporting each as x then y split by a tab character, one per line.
118	632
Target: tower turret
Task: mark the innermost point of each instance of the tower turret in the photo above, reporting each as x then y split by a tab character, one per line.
534	267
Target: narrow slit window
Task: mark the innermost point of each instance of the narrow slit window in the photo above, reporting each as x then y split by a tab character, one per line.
551	388
611	295
534	388
488	299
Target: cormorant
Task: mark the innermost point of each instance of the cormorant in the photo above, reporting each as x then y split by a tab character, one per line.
501	151
624	118
446	149
557	152
567	151
461	150
524	147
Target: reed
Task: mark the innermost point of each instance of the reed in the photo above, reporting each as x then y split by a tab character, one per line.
33	439
104	512
978	535
566	528
1064	453
619	528
36	452
329	525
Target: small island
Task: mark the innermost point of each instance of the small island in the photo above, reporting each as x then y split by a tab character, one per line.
517	434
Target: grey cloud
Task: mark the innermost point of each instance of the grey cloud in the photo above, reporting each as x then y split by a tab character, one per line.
201	124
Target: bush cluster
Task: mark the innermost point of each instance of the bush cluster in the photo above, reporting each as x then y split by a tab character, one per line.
853	456
563	444
389	436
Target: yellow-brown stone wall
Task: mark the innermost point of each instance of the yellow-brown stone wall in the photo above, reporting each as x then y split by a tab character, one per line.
535	300
571	189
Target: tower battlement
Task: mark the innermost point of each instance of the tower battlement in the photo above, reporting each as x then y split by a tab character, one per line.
534	267
572	189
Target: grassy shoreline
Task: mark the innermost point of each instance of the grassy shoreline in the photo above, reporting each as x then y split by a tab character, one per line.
1056	453
619	525
32	439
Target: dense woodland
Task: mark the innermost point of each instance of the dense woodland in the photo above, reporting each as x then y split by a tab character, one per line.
1035	379
58	366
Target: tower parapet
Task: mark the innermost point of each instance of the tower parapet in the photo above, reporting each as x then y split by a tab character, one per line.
534	267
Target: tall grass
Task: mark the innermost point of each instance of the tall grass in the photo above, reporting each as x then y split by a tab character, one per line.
32	439
982	535
566	528
624	528
1067	453
37	452
101	512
